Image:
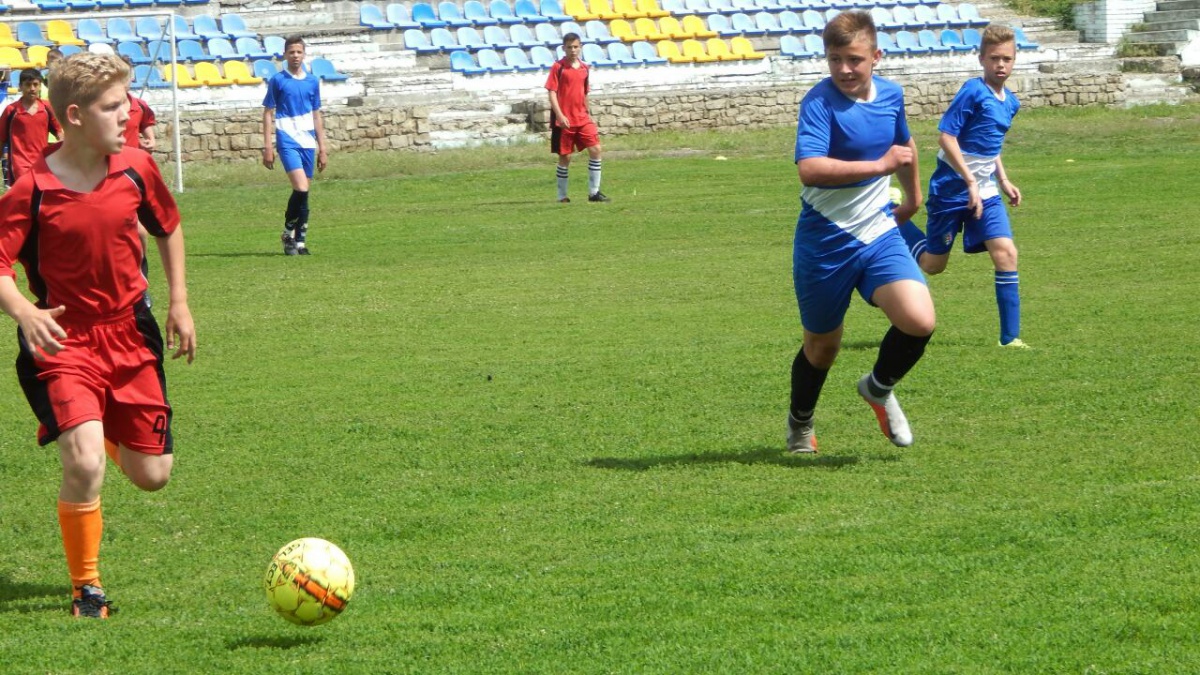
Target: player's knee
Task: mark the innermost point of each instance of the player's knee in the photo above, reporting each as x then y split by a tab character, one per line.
933	264
821	354
150	478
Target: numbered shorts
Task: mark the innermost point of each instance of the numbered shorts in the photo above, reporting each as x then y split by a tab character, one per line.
110	371
825	282
947	219
297	158
567	141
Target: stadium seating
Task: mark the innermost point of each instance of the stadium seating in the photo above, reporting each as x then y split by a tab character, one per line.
50	5
133	50
443	40
324	69
719	49
651	9
7	39
477	14
150	28
572	27
1023	42
249	48
670	51
745	49
416	40
423	14
768	23
646	53
522	36
553	11
490	60
36	54
502	12
61	33
68	50
792	47
14	58
470	39
597	31
223	49
620	28
203	25
31	34
273	44
744	25
670	28
887	44
951	39
579	10
930	41
400	17
182	30
463	62
694	26
903	18
264	68
791	22
240	73
528	12
497	38
908	42
159	50
120	30
208	74
620	53
970	13
814	21
542	56
518	60
449	13
927	16
547	33
719	24
594	55
181	77
815	45
372	17
694	50
191	50
949	14
972	38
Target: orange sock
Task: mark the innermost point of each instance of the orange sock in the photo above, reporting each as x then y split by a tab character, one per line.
82	527
114	452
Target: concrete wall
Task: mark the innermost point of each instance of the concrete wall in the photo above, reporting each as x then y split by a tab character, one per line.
1107	20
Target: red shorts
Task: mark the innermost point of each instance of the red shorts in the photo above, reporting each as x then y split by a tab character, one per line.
567	141
110	371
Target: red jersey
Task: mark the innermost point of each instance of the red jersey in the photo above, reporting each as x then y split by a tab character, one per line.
141	117
82	250
571	85
26	134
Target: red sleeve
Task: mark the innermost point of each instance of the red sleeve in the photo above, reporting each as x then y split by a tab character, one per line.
55	127
5	119
14	223
552	79
147	116
158	212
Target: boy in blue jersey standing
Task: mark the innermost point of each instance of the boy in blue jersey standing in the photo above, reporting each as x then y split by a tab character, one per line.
292	123
851	137
964	192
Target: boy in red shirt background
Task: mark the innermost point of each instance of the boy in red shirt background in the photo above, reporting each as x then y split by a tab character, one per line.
26	126
571	126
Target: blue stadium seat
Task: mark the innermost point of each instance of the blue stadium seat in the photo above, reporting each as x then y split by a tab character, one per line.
273	45
264	68
743	24
528	12
159	50
416	40
137	4
719	23
951	39
972	38
372	17
489	59
120	30
324	69
593	55
449	12
768	23
542	57
927	16
206	27
497	38
422	13
399	16
133	50
646	53
90	31
517	59
1023	42
249	48
814	21
141	76
444	40
235	26
150	28
547	33
619	52
182	30
50	5
698	7
905	19
68	50
469	38
887	44
677	7
111	4
223	49
522	36
949	14
80	5
722	6
930	41
883	18
907	40
792	46
502	12
970	13
191	50
463	62
553	11
572	27
598	32
31	34
791	22
166	3
477	14
815	45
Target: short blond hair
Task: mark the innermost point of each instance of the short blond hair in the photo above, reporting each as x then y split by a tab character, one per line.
80	78
845	28
995	34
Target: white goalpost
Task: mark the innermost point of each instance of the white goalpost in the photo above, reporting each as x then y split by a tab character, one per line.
167	37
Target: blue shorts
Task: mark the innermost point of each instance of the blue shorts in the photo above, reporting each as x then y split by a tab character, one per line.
945	220
298	158
823	290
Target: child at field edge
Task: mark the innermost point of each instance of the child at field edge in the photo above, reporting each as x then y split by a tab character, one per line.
292	122
964	191
91	354
571	126
851	136
26	126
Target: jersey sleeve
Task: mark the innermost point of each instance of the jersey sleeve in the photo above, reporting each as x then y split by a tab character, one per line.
269	99
552	78
14	223
902	133
52	121
960	111
6	124
148	119
813	129
316	94
158	212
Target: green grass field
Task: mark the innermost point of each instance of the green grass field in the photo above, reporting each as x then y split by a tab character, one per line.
550	436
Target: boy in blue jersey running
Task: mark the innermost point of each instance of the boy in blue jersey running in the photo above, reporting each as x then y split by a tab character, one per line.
965	189
292	123
851	137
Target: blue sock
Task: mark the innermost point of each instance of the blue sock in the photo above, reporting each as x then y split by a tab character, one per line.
914	238
1008	300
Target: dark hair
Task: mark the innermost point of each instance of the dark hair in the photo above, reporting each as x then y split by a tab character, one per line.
31	74
846	27
568	38
294	40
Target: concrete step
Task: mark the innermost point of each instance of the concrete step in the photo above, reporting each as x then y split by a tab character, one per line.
1098	66
1150	49
1151	88
1162	36
1176	5
1167	65
1176	15
1173	24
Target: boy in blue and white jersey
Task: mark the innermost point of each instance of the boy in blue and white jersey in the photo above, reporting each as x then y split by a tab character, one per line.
292	122
965	189
851	137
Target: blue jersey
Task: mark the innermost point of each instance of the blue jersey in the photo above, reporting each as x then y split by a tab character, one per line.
295	101
978	117
841	219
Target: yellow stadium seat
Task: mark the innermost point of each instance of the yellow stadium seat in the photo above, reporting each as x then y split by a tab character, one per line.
604	10
627	9
579	10
670	27
720	49
695	49
240	73
208	73
7	39
695	26
37	55
651	9
670	51
14	58
183	79
741	46
61	32
621	28
648	30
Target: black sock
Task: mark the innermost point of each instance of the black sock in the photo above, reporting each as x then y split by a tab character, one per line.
291	219
898	353
302	226
807	381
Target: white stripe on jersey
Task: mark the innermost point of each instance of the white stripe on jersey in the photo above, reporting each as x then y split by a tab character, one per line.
983	168
301	129
859	211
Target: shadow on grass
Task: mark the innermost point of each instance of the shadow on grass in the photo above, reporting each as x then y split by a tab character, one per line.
759	455
12	595
236	254
275	642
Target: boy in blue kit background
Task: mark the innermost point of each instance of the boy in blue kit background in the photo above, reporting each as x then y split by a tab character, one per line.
292	123
851	137
965	189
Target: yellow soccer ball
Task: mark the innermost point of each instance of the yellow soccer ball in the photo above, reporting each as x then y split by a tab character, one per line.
309	581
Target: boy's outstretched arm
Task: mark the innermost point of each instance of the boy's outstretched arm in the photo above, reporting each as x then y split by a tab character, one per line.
953	153
41	330
181	331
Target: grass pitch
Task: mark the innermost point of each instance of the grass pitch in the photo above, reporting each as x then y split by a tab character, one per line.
550	436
